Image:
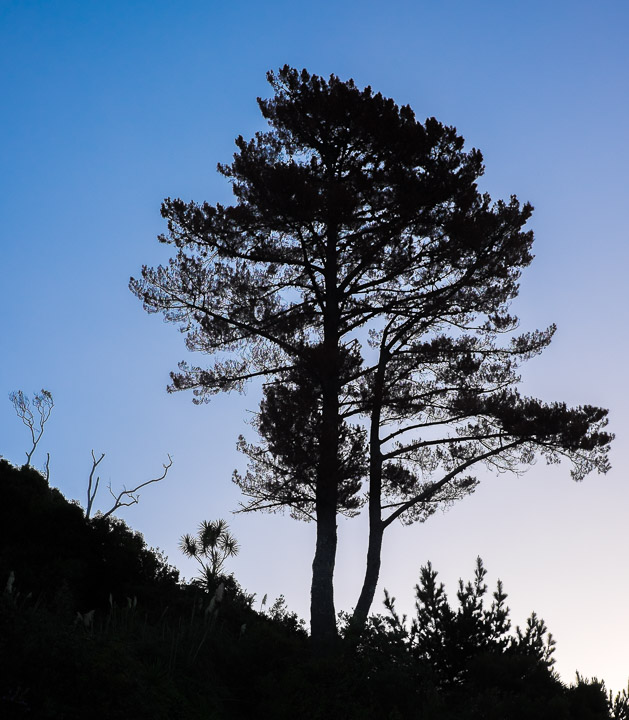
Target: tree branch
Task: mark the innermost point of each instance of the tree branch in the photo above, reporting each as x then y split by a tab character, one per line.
441	441
132	494
92	494
428	492
44	404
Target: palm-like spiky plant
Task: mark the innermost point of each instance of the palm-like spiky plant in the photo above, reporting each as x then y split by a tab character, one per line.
211	546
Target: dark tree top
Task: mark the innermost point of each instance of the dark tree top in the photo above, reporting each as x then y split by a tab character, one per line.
359	260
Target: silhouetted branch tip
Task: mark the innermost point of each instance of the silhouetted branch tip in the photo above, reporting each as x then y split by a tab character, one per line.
43	404
125	498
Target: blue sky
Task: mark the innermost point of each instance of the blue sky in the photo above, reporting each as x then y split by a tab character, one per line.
110	107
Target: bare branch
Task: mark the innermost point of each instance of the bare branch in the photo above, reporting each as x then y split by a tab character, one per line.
43	403
120	499
91	494
132	494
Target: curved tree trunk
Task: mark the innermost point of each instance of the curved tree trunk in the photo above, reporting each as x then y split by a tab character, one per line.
376	526
372	573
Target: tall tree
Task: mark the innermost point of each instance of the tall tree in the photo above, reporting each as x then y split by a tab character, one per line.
362	274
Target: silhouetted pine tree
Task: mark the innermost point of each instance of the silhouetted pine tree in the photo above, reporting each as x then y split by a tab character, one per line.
365	278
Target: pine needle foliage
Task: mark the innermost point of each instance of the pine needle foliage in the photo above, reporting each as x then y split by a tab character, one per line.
365	279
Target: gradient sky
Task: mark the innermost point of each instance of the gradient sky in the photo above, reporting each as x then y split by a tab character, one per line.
107	108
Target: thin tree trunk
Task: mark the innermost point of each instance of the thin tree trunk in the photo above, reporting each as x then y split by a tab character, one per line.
372	573
376	526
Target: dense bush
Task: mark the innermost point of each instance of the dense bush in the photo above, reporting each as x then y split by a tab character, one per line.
56	554
465	662
154	648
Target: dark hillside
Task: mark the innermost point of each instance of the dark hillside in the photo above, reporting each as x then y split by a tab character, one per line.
93	623
58	556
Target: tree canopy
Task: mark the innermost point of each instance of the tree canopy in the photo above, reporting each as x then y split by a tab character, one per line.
362	274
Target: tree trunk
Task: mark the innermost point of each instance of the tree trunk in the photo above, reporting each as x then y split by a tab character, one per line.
322	612
376	526
372	573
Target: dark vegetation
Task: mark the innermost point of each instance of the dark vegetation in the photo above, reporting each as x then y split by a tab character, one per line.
93	623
